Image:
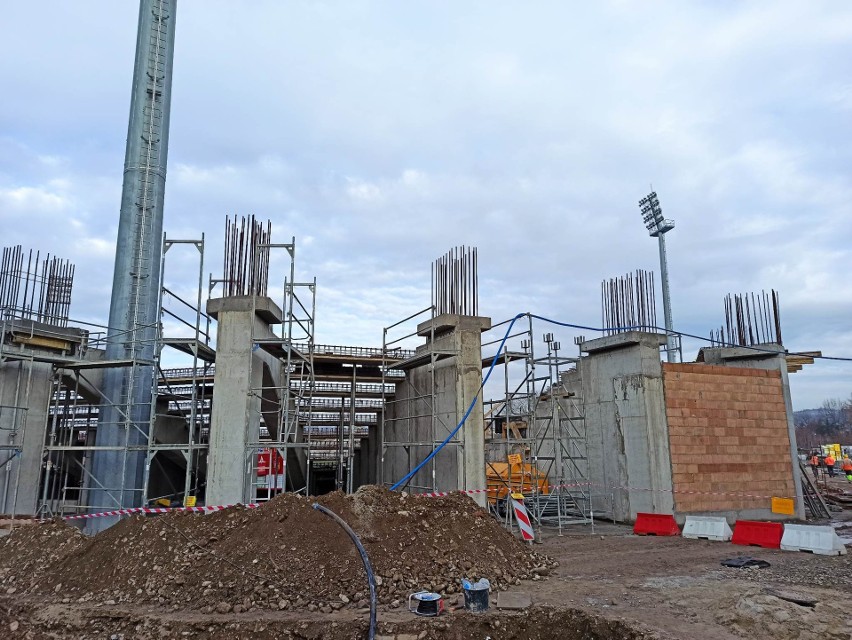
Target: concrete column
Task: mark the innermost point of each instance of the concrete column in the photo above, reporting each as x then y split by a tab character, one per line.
472	434
460	339
626	428
236	411
25	391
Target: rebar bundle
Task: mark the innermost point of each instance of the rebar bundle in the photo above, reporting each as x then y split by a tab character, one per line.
455	282
750	320
628	303
39	290
246	257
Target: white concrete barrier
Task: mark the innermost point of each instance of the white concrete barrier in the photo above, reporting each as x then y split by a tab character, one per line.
822	540
707	528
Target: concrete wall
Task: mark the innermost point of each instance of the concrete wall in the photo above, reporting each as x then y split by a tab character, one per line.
663	438
456	343
626	436
771	357
26	387
729	440
410	421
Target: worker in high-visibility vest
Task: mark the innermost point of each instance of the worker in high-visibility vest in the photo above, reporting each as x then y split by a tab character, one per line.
847	467
815	465
829	465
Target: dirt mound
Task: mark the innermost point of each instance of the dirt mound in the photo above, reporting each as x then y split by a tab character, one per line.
84	623
32	549
284	555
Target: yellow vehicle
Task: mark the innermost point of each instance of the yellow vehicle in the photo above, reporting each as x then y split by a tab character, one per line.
503	477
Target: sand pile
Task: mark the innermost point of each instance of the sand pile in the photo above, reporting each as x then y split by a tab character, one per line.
284	555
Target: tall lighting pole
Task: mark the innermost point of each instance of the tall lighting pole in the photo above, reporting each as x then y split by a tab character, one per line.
118	463
657	226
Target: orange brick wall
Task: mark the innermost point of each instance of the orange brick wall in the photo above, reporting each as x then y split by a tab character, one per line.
728	434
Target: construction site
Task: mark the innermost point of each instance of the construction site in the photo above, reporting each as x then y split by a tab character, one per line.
182	468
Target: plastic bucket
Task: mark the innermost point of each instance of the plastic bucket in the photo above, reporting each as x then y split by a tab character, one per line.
476	599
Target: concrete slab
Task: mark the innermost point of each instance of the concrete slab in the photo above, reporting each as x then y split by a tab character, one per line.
446	322
513	600
263	307
622	340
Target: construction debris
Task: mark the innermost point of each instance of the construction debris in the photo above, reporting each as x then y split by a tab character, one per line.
82	623
283	555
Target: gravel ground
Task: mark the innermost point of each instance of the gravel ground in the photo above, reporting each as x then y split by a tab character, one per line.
141	579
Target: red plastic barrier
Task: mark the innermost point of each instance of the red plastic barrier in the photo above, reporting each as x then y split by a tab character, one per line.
655	524
758	534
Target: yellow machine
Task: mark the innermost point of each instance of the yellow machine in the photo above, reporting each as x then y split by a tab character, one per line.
833	449
505	477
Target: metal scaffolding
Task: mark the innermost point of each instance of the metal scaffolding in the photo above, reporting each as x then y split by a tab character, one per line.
175	445
413	421
273	451
535	431
179	429
416	411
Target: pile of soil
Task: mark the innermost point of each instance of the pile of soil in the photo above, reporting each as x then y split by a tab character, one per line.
31	550
61	622
283	555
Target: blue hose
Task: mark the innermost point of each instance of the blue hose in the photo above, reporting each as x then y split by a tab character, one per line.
403	481
451	435
367	567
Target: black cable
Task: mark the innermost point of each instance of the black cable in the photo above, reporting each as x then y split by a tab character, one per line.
404	481
367	567
688	335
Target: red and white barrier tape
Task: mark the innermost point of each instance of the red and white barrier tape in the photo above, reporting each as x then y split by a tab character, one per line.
127	512
443	494
551	488
433	494
686	492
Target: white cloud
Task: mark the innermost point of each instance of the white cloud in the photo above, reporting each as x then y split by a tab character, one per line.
380	134
32	201
89	247
362	191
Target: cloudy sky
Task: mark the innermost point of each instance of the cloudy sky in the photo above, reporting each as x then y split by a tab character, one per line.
380	134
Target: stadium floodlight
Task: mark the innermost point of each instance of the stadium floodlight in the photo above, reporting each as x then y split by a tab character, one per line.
658	226
652	216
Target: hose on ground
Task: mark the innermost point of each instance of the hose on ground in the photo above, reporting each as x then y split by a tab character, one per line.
367	566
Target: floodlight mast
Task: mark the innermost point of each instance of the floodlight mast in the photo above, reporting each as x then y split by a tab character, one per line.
652	216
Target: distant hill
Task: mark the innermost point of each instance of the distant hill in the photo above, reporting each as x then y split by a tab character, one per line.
811	415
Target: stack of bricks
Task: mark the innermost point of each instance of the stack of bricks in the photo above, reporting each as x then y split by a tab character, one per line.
728	436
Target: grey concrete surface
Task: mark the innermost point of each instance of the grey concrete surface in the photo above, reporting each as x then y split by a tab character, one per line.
236	411
455	377
626	430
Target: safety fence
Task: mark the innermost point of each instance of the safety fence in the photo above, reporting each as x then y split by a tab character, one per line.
432	494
